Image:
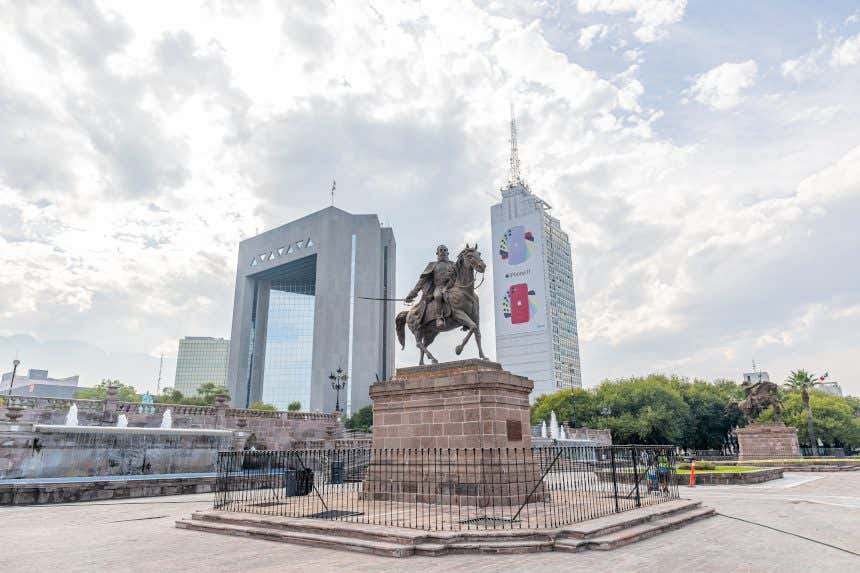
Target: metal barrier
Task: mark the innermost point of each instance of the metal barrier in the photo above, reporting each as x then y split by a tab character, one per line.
448	489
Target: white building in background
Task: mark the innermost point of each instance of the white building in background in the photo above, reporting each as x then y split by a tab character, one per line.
200	359
37	383
757	376
831	388
535	306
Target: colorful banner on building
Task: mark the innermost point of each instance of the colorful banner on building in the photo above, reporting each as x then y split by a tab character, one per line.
518	276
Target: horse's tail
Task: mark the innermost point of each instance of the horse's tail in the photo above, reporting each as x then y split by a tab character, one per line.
400	323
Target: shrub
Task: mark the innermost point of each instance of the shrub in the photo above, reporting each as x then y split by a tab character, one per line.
294	406
700	465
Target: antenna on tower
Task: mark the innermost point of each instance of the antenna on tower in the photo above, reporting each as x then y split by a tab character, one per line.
515	177
158	382
333	187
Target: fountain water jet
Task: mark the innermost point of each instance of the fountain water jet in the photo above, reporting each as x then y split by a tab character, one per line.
167	420
72	416
122	421
553	426
543	429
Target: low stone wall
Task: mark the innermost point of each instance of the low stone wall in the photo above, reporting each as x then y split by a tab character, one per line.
65	492
731	478
822	465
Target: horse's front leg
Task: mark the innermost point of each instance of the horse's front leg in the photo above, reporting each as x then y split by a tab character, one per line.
459	347
478	341
464	319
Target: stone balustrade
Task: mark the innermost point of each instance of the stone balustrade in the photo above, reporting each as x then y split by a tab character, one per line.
261	428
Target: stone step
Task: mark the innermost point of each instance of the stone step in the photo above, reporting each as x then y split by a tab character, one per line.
601	534
618	521
636	533
351	530
490	546
383	548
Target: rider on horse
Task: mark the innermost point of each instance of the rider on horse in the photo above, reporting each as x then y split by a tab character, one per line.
434	283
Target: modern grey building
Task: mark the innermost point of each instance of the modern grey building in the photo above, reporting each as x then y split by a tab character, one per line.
200	359
535	306
302	309
37	384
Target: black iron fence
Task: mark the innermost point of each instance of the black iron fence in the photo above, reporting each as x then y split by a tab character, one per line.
448	489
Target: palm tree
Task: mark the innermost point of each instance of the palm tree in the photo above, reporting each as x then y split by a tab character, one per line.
803	381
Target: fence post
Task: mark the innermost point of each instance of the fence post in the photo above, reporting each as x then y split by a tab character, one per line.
614	479
635	475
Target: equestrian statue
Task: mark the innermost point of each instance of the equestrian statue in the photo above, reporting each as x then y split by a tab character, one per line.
448	301
759	396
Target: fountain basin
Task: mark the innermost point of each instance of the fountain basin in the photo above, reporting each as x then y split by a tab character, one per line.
48	451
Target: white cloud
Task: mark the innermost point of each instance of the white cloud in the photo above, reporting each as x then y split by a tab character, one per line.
722	87
652	17
689	232
846	52
800	69
588	34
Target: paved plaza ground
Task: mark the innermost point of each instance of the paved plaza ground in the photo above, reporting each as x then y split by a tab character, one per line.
138	535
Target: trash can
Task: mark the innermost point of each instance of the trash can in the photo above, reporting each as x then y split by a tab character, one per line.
298	482
337	471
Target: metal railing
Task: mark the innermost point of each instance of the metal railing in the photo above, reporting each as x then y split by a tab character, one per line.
448	489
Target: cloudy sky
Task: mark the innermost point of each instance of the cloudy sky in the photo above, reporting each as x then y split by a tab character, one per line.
703	156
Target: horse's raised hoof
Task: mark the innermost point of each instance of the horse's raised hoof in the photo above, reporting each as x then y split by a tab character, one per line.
459	349
434	361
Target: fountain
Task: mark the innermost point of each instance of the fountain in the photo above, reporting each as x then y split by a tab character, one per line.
561	435
72	416
553	426
543	429
167	420
122	421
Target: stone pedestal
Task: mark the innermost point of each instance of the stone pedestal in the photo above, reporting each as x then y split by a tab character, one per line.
764	441
456	432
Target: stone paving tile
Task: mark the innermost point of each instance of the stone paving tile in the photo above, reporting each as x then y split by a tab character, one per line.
138	535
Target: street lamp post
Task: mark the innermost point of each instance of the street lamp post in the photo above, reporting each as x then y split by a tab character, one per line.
338	382
15	364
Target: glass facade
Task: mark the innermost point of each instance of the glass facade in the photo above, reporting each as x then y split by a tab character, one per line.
289	345
200	360
562	307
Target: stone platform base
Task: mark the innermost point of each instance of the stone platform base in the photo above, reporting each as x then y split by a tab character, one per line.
457	433
600	534
766	441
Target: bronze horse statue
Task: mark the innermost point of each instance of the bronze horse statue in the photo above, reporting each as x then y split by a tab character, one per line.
758	397
464	309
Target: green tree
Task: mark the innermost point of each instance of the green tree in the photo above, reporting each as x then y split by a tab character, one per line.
577	407
647	410
294	406
260	405
361	420
206	393
125	393
837	422
169	396
802	381
709	421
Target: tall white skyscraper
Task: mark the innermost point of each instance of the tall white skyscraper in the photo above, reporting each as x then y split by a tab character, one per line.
535	308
